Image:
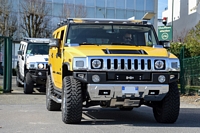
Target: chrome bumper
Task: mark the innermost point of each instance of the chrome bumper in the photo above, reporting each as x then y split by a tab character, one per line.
148	92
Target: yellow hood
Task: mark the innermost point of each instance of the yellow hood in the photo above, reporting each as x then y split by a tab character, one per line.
94	50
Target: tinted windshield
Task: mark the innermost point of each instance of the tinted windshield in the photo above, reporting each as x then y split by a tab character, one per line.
38	48
98	34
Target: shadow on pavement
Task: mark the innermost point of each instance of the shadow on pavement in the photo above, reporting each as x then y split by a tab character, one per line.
143	116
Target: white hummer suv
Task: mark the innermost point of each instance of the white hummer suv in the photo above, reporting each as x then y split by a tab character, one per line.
32	63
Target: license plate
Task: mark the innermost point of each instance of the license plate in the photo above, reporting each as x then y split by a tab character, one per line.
129	90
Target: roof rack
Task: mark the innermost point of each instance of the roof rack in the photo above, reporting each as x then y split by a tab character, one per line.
145	18
100	20
39	40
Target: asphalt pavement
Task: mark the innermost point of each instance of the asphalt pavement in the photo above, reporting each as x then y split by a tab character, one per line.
21	113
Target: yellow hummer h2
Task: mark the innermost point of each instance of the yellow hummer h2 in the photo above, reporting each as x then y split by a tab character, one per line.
91	64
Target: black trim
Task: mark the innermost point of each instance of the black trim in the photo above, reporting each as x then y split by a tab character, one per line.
111	78
59	73
38	79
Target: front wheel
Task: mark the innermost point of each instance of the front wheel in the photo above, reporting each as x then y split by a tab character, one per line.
167	111
71	100
17	82
50	104
28	84
17	78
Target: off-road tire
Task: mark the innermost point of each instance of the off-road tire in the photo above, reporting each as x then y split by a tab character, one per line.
28	84
51	105
167	111
126	108
71	101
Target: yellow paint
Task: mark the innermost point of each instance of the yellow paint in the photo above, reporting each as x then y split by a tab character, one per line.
66	54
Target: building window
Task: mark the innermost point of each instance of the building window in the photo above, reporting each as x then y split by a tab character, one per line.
110	3
69	1
130	13
192	6
58	1
139	5
110	13
49	7
80	2
120	4
150	5
120	14
57	9
90	12
100	3
100	12
130	4
90	3
139	14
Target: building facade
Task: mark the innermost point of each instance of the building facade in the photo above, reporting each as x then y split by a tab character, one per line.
113	9
185	15
116	9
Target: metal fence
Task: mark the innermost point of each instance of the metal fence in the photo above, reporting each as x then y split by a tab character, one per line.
190	74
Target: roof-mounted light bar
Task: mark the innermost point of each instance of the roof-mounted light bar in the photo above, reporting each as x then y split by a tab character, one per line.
100	20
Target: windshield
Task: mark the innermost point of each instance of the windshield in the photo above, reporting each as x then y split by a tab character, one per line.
38	49
111	34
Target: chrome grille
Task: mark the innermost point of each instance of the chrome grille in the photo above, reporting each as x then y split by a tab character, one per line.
127	63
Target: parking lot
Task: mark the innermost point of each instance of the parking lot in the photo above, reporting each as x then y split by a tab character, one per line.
20	113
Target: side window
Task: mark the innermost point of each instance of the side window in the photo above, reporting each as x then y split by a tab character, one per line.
21	46
57	35
62	34
54	35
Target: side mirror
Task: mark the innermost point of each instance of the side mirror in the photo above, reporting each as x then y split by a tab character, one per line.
165	44
20	52
54	43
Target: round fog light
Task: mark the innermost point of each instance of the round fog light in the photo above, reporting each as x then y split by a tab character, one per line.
161	78
39	73
95	78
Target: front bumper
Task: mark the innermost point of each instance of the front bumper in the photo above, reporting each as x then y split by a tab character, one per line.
148	92
39	76
124	77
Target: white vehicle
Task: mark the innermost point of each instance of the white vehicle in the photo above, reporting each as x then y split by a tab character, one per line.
32	63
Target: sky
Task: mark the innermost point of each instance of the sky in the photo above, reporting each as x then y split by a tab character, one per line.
162	4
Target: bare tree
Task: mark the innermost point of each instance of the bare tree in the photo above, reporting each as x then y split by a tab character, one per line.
71	10
35	20
8	21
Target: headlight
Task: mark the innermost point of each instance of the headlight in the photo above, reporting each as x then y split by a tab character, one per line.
80	63
40	66
161	78
159	64
31	65
96	64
